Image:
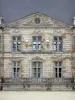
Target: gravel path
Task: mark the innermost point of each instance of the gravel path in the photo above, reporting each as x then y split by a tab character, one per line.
10	95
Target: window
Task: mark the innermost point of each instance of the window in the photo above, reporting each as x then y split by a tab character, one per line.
0	43
16	43
58	43
58	69
37	20
74	43
37	43
36	69
16	69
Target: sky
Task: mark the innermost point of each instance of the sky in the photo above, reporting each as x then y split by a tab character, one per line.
63	10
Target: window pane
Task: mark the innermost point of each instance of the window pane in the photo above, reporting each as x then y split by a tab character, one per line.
14	74
34	38
39	38
60	63
37	20
34	70
55	38
56	63
14	38
18	70
38	42
34	64
56	75
38	70
18	47
55	70
39	64
55	42
39	47
18	63
14	70
34	43
34	47
35	75
14	47
59	70
60	46
38	75
55	47
60	75
14	63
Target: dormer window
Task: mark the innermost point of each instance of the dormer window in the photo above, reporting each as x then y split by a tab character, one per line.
37	20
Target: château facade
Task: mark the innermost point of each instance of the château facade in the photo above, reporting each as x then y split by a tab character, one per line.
37	52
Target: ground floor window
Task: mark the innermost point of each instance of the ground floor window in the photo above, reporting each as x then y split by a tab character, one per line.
16	69
58	69
37	69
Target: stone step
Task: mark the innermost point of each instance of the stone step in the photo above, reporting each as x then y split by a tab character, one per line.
60	88
13	87
36	88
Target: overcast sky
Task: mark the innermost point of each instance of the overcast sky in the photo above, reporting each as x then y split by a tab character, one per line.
62	10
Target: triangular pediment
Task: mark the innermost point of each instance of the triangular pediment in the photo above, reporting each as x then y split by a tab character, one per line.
37	20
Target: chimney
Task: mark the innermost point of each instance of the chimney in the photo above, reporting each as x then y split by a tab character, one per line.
74	21
1	20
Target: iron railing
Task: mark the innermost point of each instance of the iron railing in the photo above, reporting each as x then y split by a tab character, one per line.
38	81
47	82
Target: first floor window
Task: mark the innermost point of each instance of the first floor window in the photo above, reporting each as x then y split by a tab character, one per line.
36	69
37	43
58	43
16	69
16	43
58	69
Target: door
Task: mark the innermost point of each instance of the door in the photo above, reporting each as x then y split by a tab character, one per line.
37	71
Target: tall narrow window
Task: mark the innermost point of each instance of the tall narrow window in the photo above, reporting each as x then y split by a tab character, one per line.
58	69
37	43
0	44
16	69
74	43
37	69
16	43
58	43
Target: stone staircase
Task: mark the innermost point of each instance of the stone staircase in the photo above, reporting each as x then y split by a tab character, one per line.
36	88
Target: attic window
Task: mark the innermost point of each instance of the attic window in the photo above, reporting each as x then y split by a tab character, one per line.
37	20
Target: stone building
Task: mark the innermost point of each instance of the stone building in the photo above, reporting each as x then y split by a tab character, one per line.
37	53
